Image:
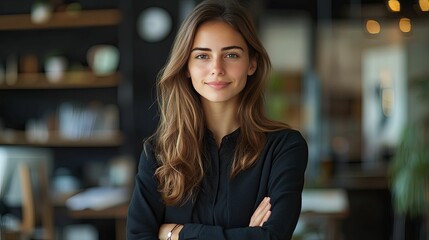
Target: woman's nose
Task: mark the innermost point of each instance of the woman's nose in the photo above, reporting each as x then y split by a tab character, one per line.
218	68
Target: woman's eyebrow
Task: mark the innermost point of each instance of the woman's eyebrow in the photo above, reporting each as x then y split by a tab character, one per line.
232	47
223	49
201	49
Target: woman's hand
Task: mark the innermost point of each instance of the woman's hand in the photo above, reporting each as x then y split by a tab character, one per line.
167	227
261	214
259	217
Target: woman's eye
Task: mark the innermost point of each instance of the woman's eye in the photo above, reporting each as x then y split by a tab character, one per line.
231	55
201	56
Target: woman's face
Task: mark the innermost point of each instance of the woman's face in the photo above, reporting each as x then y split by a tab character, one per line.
219	62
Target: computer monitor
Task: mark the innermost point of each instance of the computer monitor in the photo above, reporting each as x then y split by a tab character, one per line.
11	157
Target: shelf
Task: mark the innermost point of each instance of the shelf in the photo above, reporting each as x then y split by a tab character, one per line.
87	18
19	138
117	212
70	80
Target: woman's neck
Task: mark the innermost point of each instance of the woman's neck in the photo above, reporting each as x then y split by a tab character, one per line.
221	119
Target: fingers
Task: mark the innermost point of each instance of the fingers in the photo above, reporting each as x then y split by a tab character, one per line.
261	214
267	215
260	209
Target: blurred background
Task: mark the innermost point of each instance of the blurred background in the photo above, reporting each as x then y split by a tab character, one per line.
77	100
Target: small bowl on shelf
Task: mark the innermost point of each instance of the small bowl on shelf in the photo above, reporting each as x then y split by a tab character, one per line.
103	59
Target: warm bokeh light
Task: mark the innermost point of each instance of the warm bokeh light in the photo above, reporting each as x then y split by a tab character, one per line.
405	25
394	5
424	5
373	27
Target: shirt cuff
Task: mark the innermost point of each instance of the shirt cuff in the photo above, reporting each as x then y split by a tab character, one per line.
200	231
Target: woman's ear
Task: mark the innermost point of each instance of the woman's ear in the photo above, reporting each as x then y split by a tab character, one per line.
252	66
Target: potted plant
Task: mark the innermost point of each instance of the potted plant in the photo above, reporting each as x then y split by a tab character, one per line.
409	170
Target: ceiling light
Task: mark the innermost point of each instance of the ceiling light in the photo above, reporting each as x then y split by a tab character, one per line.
373	27
405	25
394	5
424	5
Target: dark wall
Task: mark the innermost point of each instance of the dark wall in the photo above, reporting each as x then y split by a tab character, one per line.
141	64
24	6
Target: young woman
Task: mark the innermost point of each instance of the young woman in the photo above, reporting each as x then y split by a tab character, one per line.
217	167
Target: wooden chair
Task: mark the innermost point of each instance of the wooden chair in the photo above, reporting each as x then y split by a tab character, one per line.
36	205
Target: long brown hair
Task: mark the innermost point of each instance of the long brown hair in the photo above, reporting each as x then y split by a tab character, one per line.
179	136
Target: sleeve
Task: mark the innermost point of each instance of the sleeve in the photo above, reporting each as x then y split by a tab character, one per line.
285	185
146	209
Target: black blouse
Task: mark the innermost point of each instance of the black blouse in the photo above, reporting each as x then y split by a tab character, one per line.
224	206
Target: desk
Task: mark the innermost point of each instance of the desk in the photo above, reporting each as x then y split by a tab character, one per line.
118	213
329	205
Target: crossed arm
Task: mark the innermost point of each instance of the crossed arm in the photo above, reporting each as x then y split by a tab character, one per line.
277	215
259	217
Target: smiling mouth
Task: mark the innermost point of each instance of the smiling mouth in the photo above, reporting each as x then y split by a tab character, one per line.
218	85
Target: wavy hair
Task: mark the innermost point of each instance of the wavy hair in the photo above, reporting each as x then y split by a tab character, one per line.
179	137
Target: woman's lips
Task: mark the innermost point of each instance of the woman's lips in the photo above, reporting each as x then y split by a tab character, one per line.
218	85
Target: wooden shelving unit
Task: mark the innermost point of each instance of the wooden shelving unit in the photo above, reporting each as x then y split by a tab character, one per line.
70	80
54	140
87	18
82	79
64	30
